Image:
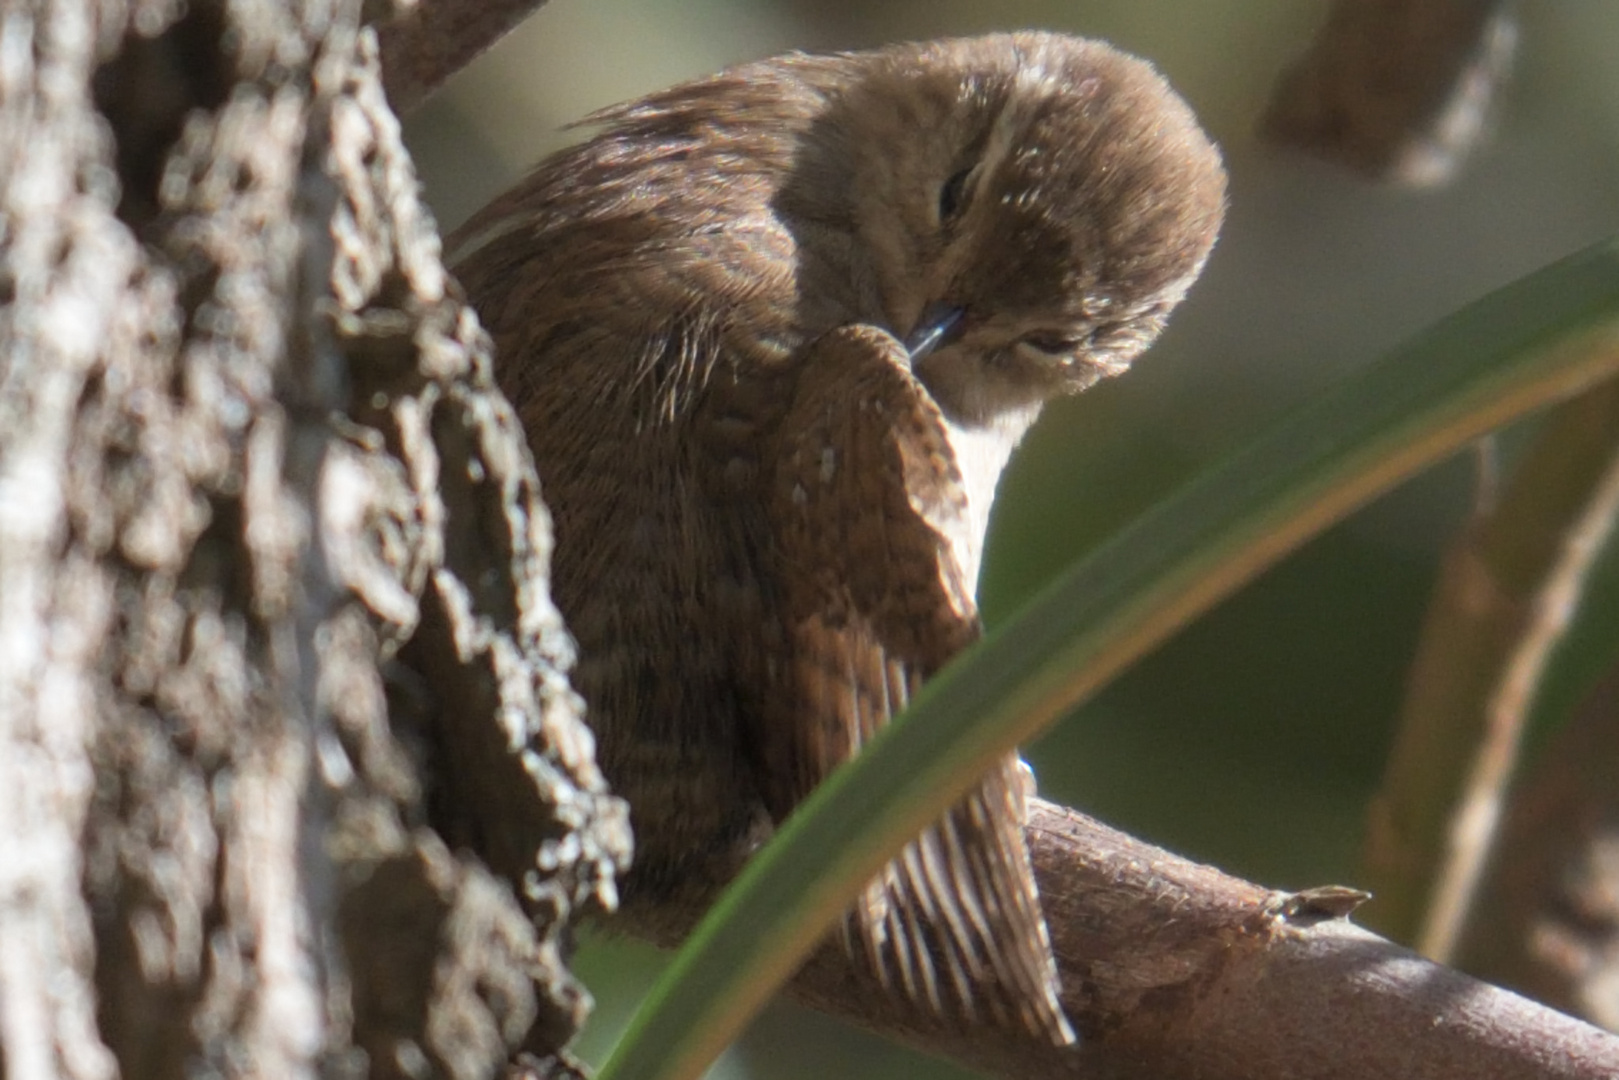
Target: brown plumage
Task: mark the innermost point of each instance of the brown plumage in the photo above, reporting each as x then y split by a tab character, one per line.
773	335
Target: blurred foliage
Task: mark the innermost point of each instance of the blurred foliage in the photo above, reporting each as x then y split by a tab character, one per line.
1254	739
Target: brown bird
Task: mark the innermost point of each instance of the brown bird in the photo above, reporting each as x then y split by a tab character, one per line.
773	335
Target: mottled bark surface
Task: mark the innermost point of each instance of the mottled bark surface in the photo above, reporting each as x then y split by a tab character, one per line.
268	538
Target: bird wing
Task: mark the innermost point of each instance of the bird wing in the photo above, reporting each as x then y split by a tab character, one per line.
868	512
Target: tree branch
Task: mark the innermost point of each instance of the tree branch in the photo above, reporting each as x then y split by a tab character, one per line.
1548	918
1172	969
426	42
1503	596
1396	89
1550	613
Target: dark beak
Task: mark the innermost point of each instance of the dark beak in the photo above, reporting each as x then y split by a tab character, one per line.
937	326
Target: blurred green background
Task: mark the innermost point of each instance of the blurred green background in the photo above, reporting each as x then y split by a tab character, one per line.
1254	739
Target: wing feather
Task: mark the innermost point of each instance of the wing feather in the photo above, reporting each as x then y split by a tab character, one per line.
864	508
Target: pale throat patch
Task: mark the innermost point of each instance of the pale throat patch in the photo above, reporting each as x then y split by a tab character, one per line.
981	454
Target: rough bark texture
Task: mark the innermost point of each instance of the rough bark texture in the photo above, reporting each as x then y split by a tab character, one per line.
248	448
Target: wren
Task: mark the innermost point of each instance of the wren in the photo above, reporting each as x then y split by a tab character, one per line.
773	335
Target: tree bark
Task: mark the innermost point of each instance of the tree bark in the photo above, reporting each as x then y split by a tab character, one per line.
235	400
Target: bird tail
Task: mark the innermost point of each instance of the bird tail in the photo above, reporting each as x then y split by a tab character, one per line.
954	922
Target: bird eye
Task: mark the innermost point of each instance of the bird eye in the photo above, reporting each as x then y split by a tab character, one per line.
953	195
1054	344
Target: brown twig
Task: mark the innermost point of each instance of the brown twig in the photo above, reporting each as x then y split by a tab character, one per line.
1479	811
427	41
1548	920
1497	608
1397	89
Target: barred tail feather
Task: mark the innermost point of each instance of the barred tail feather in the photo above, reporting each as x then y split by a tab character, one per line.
954	922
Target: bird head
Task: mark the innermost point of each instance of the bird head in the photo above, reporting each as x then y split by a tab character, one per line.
1031	206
